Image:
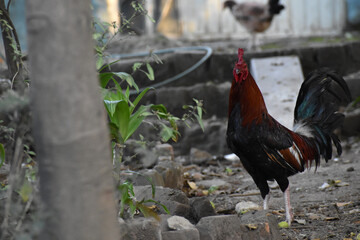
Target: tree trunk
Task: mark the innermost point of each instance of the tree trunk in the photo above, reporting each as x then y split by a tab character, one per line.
69	122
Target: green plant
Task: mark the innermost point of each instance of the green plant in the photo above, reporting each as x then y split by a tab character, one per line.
126	114
128	198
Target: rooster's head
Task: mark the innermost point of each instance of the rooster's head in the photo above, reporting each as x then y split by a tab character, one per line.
240	71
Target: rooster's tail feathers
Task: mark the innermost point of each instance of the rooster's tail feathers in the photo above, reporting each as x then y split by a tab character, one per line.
316	108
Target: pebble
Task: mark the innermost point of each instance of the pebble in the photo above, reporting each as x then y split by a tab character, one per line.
350	169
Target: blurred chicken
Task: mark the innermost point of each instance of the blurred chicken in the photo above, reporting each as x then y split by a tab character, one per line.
255	17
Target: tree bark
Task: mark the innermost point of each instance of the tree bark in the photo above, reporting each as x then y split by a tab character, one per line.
69	122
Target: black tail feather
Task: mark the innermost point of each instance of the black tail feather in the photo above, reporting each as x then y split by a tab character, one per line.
319	98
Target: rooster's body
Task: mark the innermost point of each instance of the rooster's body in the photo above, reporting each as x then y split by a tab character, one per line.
255	17
270	151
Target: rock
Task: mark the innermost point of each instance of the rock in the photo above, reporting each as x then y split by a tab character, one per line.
138	156
187	234
198	156
179	223
194	136
201	207
220	227
224	204
147	177
221	184
231	227
242	207
350	169
175	200
165	152
172	174
140	228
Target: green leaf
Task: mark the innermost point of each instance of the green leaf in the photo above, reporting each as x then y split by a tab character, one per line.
128	78
121	118
138	98
2	155
166	133
110	106
150	73
125	197
105	78
136	66
199	119
160	108
99	61
136	119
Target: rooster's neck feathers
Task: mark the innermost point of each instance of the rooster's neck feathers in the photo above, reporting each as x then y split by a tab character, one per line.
246	93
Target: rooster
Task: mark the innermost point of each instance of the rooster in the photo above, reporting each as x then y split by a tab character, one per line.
255	17
270	151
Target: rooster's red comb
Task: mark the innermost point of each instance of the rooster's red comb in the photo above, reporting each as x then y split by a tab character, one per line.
240	70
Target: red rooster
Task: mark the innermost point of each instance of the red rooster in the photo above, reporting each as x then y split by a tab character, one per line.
255	17
270	151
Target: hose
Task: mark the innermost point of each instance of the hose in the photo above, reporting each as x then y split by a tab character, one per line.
206	49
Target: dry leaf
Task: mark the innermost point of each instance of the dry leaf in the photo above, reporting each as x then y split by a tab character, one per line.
251	226
343	204
331	218
192	185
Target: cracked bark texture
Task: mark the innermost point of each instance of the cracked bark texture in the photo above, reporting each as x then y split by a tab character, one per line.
69	122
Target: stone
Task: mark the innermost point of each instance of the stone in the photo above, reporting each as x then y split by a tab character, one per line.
201	207
186	234
175	200
140	228
179	223
138	156
220	227
147	177
231	227
165	152
246	206
172	174
198	156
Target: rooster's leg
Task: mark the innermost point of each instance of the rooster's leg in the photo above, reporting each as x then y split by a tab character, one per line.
288	209
266	201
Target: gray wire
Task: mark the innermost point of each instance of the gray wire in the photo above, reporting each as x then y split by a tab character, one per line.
207	49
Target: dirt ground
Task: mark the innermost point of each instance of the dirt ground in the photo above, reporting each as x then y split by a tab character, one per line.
326	203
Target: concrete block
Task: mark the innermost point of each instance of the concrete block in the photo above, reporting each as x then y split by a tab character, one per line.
231	227
186	234
141	228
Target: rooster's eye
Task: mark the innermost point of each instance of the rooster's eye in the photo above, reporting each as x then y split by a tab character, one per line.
237	71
